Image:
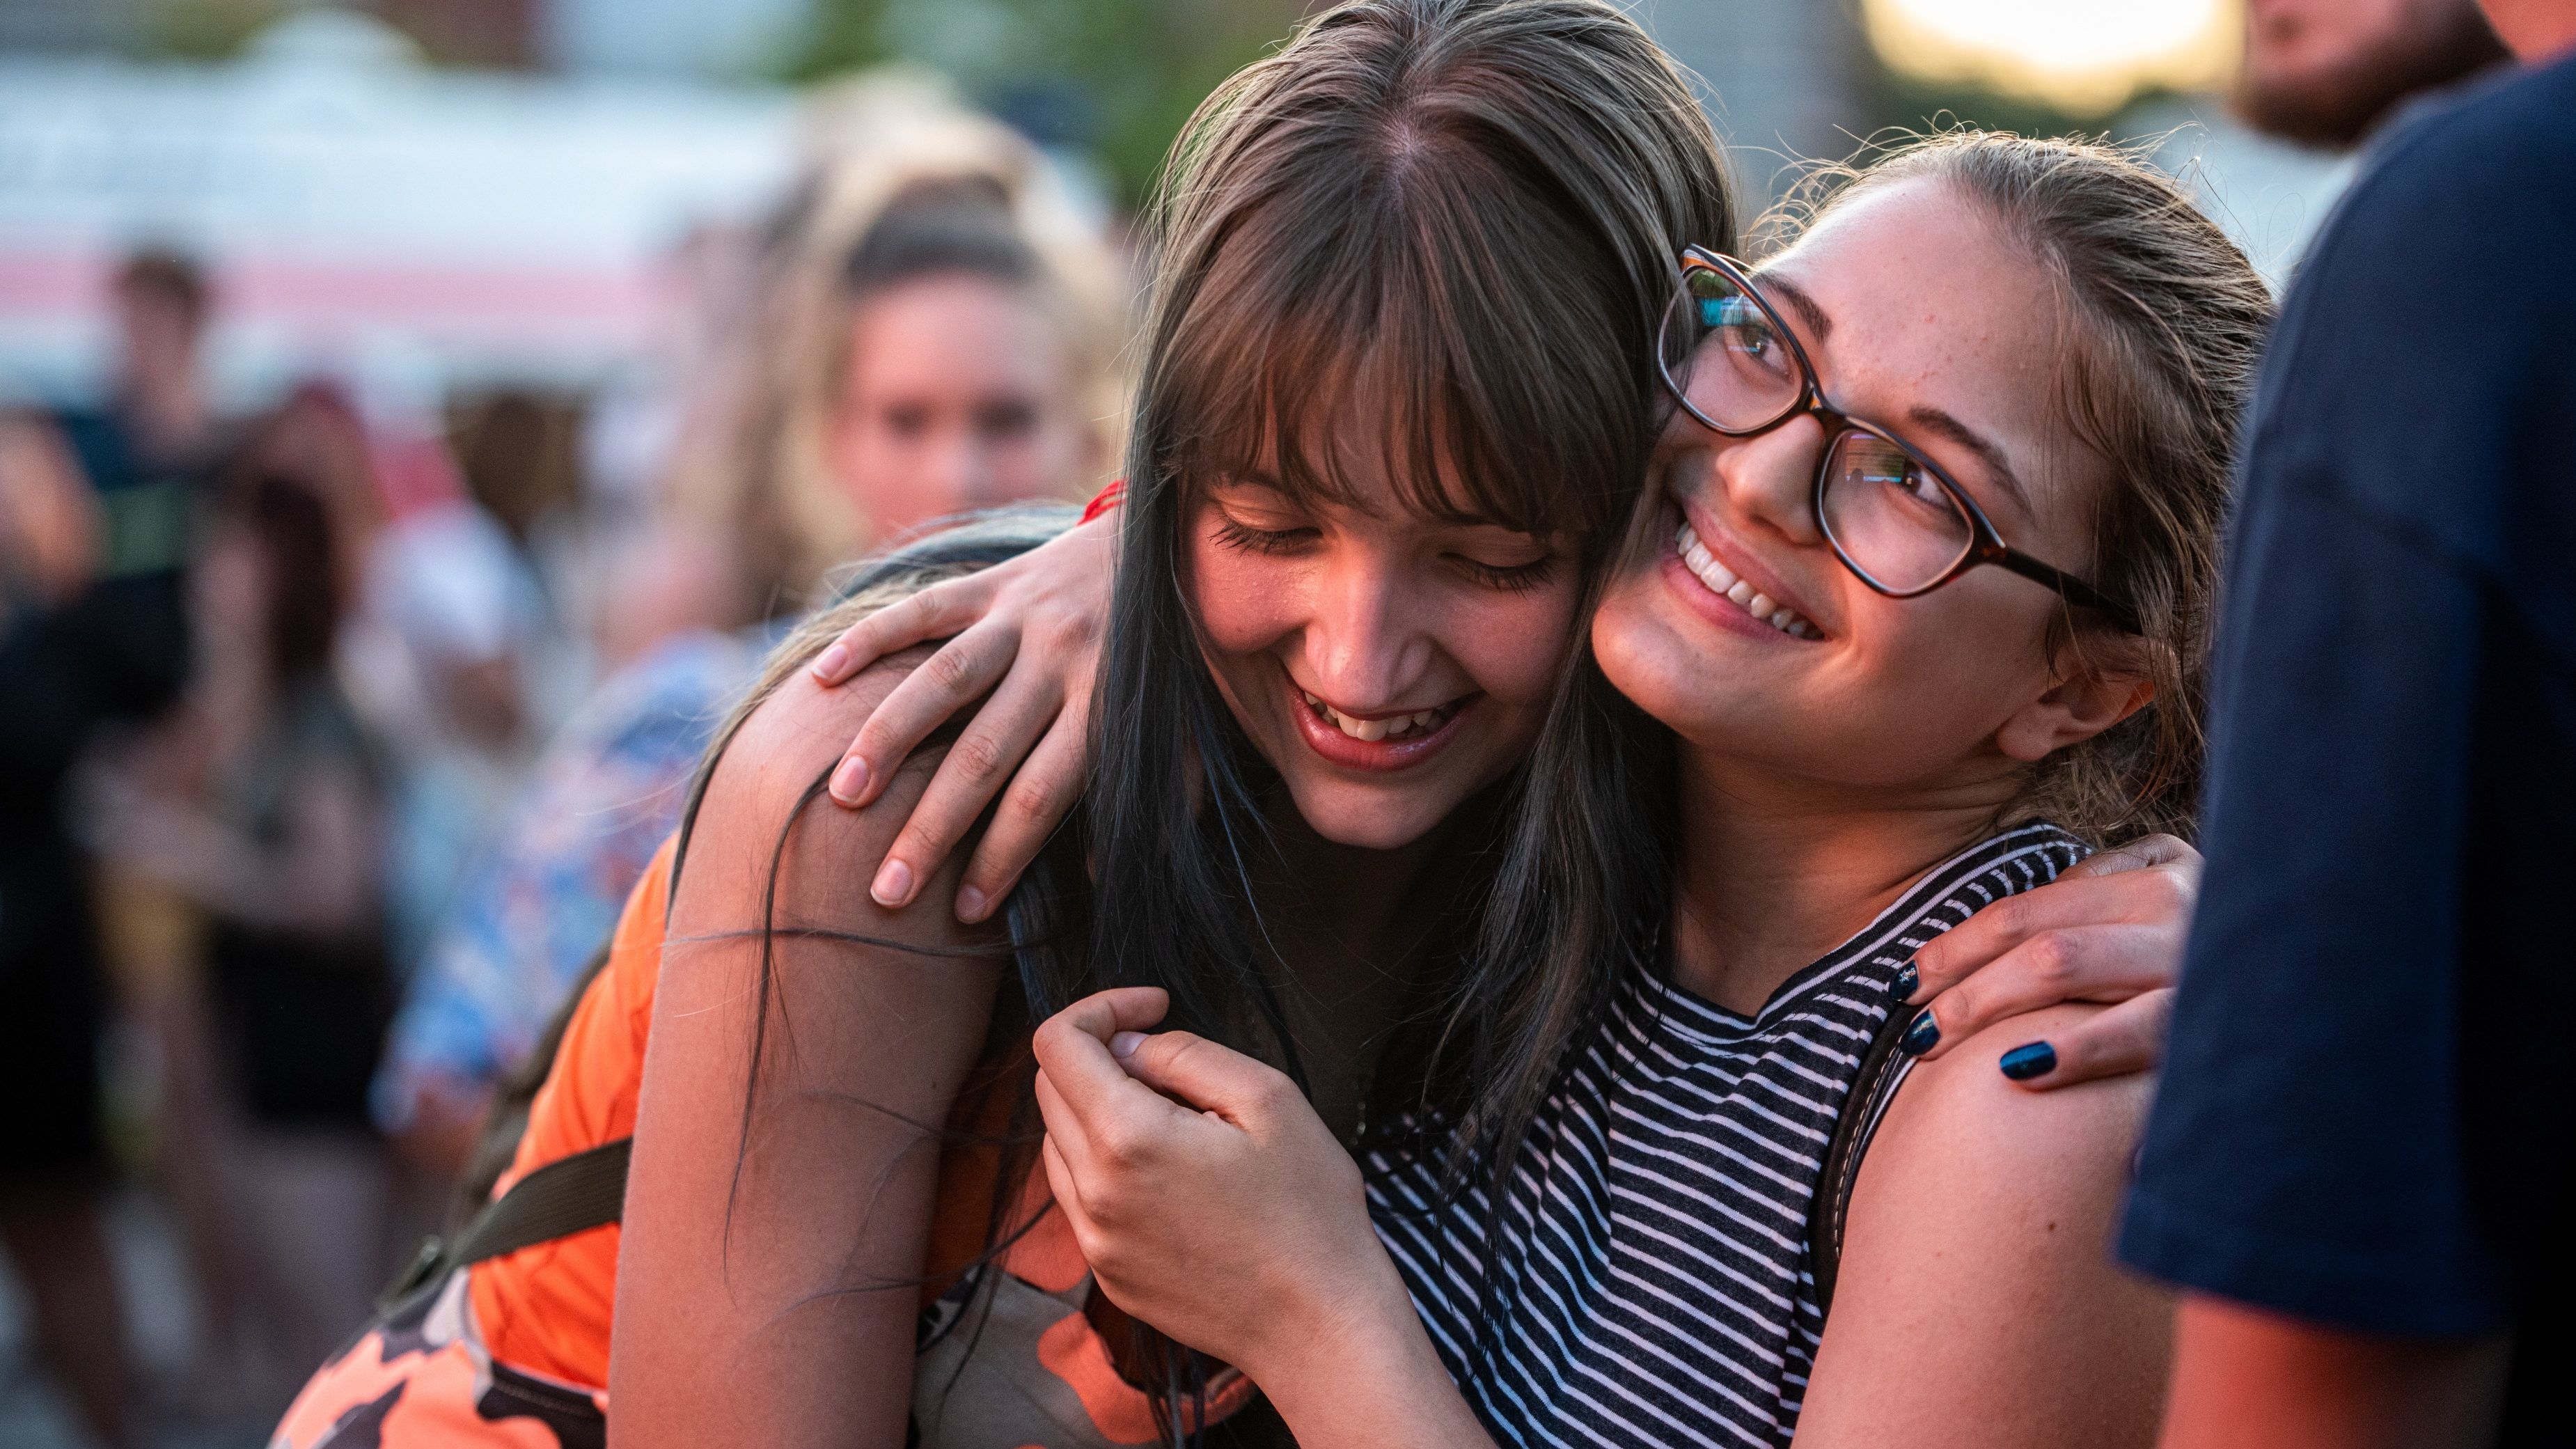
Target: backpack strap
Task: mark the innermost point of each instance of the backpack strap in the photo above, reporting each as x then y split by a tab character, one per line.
1882	1070
567	1196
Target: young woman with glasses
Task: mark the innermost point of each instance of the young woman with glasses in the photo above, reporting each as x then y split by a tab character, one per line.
1986	351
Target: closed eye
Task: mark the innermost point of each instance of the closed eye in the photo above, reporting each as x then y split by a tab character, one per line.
1262	540
1510	578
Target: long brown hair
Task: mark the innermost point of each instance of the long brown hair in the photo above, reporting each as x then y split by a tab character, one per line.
1463	216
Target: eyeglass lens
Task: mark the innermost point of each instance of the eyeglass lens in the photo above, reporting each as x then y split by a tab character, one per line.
1889	517
1723	354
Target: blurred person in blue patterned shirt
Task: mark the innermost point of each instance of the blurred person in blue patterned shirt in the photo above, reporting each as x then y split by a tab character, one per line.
927	330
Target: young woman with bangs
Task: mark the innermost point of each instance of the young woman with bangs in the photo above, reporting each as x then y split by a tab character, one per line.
1346	701
1921	593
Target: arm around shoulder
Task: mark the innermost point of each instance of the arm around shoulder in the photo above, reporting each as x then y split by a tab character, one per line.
804	1050
1977	1300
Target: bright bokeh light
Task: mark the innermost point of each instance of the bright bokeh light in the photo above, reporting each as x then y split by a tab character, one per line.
2086	56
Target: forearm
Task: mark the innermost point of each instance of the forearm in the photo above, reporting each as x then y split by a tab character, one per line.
2242	1376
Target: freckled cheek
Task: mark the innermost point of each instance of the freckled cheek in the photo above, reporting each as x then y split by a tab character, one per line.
1936	658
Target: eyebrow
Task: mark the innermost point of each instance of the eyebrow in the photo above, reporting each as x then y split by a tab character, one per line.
1802	304
1933	419
1930	418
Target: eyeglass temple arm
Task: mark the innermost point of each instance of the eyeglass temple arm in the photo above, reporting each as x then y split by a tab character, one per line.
2074	590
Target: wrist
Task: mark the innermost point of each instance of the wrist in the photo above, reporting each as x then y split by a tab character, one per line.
1372	1381
1104	500
1366	1323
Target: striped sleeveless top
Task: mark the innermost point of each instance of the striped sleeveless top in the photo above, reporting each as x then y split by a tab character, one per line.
1655	1286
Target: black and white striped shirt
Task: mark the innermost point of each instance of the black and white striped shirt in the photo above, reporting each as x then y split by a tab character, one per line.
1656	1287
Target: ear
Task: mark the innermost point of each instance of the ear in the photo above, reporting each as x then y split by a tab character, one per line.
2105	684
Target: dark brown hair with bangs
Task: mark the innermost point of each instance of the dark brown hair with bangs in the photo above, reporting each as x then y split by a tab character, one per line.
1372	289
1445	229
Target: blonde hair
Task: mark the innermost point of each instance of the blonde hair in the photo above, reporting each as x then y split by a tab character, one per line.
751	466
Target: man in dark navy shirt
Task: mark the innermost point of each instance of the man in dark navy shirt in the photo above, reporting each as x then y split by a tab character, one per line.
2357	1168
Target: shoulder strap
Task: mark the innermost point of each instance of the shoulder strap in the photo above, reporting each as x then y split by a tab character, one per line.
1882	1066
567	1196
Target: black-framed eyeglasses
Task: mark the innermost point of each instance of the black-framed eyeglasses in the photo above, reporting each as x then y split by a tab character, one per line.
1895	519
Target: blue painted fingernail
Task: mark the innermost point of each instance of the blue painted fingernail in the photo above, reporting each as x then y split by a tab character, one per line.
2037	1059
1919	1037
1905	982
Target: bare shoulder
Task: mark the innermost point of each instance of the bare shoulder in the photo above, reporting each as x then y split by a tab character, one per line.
1959	1127
767	844
1976	1302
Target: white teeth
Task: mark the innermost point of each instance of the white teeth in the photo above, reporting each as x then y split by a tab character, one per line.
1722	580
1372	729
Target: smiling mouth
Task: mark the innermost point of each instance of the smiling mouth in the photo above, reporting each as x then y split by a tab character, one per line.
1390	729
1722	582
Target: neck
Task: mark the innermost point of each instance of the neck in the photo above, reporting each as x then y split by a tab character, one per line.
169	409
2536	31
1354	930
1776	872
1369	901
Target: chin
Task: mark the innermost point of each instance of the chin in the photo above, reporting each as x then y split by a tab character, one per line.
1640	655
1367	819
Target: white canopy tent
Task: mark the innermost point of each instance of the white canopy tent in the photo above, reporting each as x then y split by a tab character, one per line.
406	228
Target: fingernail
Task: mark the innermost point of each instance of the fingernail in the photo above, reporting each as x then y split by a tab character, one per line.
970	904
1906	980
1919	1037
849	780
893	884
829	664
2036	1059
1124	1044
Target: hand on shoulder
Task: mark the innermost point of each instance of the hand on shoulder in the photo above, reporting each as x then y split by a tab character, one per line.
765	806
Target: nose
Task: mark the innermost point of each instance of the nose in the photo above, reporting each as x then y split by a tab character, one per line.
1770	478
1366	641
965	468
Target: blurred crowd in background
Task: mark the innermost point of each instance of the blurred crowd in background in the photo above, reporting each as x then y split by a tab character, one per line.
414	421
